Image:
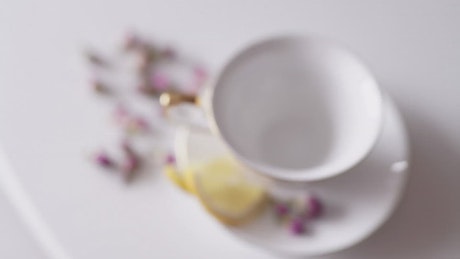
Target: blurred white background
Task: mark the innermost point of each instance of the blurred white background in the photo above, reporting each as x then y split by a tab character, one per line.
47	117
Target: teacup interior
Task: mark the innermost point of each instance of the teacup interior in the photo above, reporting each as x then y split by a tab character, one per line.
297	106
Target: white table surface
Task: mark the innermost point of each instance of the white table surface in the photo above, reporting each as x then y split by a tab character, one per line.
48	117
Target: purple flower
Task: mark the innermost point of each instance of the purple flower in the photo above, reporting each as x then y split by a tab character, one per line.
129	168
131	163
127	148
168	53
199	78
160	81
141	124
200	73
103	160
170	159
281	209
132	41
315	207
297	226
144	62
136	125
121	115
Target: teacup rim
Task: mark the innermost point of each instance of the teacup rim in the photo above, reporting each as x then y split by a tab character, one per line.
285	174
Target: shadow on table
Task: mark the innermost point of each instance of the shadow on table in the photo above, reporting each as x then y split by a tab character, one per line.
427	220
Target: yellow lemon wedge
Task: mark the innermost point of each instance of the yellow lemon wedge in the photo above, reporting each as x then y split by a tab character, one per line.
182	179
175	177
188	178
225	192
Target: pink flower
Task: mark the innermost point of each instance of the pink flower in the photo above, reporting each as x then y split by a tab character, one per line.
141	124
131	163
168	53
103	160
297	226
170	159
315	207
121	115
200	74
132	41
160	81
281	209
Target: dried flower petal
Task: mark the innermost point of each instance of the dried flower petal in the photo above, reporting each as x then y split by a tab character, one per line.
200	73
281	209
103	160
129	168
127	148
137	124
170	159
99	87
147	89
315	207
142	124
143	63
168	53
132	41
121	115
160	81
95	59
297	226
150	50
130	127
199	78
132	162
121	110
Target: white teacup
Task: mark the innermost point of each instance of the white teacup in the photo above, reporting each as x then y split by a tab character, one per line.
293	108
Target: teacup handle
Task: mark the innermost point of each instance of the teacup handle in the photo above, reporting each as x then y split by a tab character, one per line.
172	98
193	117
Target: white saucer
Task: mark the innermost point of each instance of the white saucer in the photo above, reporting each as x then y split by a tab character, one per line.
357	202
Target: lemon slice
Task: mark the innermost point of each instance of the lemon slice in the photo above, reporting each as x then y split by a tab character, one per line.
175	176
183	180
223	189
